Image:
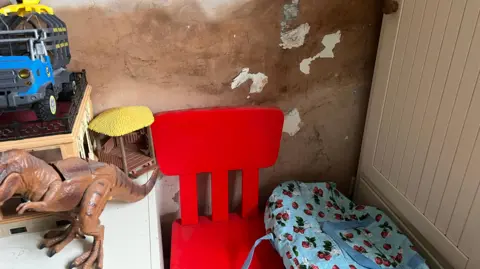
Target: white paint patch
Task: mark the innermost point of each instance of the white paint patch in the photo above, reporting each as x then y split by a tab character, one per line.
305	64
329	41
294	38
259	80
292	122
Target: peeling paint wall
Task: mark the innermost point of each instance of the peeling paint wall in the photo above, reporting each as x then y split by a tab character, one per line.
170	54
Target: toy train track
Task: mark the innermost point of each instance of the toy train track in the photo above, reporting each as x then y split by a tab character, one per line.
61	125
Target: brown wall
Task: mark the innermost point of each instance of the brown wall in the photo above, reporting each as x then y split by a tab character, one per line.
176	57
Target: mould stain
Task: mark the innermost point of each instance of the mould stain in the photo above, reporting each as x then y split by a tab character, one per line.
290	13
295	37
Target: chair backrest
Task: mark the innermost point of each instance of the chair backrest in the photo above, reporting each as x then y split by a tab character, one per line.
217	140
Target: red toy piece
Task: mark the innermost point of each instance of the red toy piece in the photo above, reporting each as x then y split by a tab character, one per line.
218	140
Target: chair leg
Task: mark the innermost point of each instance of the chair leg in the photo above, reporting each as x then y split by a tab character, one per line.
188	199
219	186
249	192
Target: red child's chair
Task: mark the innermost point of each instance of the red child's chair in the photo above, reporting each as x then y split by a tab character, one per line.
218	140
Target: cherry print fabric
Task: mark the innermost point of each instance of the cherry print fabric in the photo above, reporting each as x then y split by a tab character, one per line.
313	226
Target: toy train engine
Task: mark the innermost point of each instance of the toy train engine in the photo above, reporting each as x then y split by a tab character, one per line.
34	54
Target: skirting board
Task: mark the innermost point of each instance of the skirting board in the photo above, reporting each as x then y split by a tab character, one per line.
366	194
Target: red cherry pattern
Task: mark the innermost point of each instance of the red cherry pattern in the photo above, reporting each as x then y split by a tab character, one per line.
289	237
333	205
318	191
288	193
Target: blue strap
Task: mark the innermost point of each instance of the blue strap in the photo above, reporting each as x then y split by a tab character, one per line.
331	229
248	261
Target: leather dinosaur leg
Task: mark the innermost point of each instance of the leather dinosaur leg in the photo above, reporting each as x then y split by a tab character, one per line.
9	187
70	216
92	206
60	241
95	255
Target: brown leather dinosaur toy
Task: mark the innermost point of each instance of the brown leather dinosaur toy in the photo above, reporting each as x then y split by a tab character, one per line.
72	187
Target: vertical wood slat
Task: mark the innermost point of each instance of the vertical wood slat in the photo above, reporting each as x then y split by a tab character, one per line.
448	117
467	192
124	155
384	59
456	125
150	143
249	192
470	238
426	29
440	78
188	199
407	186
404	79
453	199
392	85
219	185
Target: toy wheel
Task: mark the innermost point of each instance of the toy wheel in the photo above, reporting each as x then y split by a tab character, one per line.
69	90
47	108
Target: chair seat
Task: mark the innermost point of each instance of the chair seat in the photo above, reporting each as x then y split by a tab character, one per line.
224	245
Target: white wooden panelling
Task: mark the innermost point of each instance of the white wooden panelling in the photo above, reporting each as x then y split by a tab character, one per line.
471	237
468	191
421	147
459	142
425	79
438	85
399	102
393	81
474	263
447	116
400	157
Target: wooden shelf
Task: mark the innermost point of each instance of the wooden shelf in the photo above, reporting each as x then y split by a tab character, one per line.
49	148
67	143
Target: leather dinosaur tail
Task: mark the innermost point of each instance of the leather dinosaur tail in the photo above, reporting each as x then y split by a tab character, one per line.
129	191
